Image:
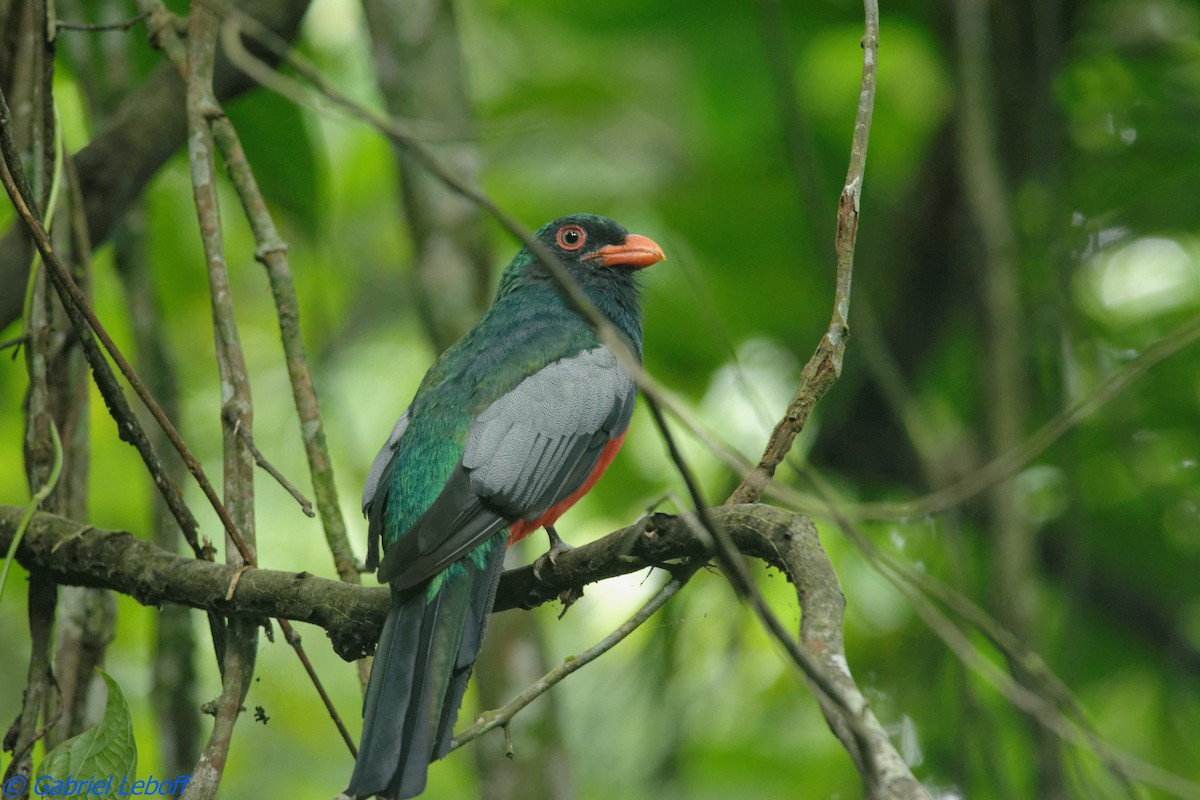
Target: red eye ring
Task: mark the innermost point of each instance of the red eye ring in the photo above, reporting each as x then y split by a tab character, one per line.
571	237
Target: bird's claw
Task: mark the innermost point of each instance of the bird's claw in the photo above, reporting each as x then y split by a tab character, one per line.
557	545
557	548
568	597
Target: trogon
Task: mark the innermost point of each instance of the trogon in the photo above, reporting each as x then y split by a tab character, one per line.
509	428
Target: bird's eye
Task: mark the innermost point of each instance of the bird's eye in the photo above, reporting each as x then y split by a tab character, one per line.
571	237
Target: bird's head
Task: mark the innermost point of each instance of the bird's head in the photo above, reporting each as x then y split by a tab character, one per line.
598	242
586	244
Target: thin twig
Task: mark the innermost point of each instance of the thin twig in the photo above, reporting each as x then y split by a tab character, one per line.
826	363
293	639
96	27
500	717
954	494
205	116
237	657
270	469
85	322
272	253
911	583
884	773
818	375
1009	463
738	574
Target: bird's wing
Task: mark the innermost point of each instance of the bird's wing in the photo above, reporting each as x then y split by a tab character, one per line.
380	473
528	450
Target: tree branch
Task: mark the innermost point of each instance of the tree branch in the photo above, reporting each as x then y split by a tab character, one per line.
76	554
272	253
84	322
240	651
825	365
353	615
500	718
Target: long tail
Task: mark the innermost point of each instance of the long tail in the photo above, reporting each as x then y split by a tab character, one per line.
425	654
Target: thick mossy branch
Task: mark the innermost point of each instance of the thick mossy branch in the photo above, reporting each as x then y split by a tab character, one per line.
80	555
352	616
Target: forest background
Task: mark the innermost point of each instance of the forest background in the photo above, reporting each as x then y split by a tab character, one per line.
1017	416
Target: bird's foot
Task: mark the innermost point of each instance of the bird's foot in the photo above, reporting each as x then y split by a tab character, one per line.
557	548
568	597
557	545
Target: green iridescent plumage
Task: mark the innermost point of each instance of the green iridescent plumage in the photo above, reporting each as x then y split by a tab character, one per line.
521	332
512	423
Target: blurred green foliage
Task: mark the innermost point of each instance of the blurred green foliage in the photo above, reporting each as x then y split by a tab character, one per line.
663	117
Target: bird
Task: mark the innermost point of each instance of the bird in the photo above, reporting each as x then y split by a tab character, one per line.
509	428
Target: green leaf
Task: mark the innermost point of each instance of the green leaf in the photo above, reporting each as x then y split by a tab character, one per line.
280	152
100	759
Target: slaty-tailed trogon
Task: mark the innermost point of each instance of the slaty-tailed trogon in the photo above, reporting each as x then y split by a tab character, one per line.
510	427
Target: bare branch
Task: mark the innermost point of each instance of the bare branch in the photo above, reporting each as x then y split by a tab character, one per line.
81	555
239	649
353	615
84	322
76	554
489	720
272	253
1072	726
97	27
826	363
269	468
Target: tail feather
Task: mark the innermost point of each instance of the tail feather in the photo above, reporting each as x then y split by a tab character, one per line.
388	688
424	658
441	633
483	597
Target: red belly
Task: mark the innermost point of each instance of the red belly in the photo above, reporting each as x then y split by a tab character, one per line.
522	528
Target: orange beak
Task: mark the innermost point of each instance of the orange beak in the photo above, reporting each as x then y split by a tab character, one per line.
636	251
